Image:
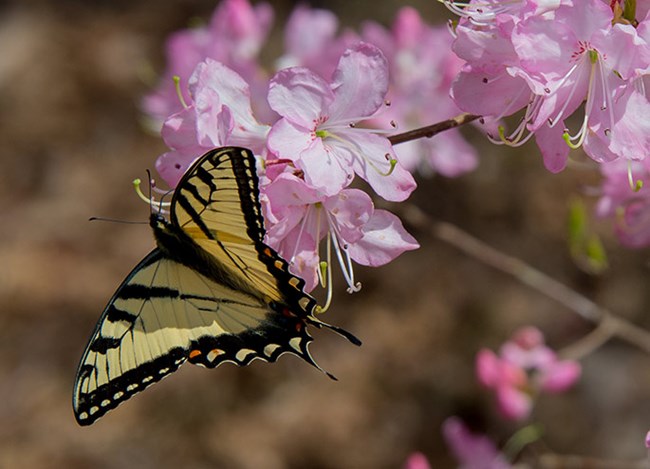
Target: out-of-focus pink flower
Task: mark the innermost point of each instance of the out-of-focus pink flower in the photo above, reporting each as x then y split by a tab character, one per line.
234	37
422	67
629	208
472	451
524	367
417	461
310	41
318	126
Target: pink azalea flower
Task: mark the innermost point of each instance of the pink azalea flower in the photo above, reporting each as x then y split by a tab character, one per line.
523	368
565	57
299	216
422	69
590	60
219	114
318	126
472	451
234	37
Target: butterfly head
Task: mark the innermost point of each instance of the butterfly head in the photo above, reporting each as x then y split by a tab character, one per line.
157	221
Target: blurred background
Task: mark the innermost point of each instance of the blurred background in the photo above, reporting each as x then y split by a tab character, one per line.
72	74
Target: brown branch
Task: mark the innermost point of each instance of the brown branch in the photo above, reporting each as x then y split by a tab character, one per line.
610	324
431	130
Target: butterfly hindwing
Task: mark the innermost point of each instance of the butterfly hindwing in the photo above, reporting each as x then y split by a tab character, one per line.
165	314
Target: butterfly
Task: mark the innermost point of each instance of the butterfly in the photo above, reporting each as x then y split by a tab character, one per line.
210	292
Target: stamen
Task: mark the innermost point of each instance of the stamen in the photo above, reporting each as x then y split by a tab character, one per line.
179	93
330	288
149	200
636	187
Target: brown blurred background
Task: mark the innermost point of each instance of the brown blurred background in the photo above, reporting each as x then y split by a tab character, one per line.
72	73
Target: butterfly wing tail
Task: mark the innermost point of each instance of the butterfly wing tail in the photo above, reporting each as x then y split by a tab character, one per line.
339	330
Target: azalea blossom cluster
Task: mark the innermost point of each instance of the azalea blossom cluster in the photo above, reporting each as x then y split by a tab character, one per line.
524	367
318	121
554	59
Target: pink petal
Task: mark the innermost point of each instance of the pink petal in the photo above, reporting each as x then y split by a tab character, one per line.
287	140
625	51
233	92
309	30
560	376
299	248
554	149
350	210
489	95
396	186
324	169
472	451
300	96
513	403
487	368
214	122
449	154
630	136
172	165
417	461
384	239
179	130
360	83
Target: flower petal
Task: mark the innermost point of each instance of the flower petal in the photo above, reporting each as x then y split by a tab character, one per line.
371	163
560	376
360	83
350	210
383	240
233	92
300	96
554	149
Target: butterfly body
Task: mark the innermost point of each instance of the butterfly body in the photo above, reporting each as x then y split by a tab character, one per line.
210	292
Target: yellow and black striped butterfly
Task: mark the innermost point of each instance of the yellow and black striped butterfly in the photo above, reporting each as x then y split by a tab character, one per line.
211	292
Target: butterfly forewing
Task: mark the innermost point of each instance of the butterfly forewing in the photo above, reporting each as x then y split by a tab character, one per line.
217	205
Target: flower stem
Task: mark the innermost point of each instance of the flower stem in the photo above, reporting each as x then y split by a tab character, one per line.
431	130
610	324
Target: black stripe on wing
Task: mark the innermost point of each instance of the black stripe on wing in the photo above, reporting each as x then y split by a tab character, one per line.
242	163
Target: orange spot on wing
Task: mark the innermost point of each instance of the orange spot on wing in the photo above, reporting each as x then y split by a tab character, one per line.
195	353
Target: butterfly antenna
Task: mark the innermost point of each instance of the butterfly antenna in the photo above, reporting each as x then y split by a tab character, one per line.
115	220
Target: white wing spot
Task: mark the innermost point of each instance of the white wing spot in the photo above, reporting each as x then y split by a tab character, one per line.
243	353
132	386
213	354
295	344
270	348
93	410
147	379
83	416
105	402
163	371
118	395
